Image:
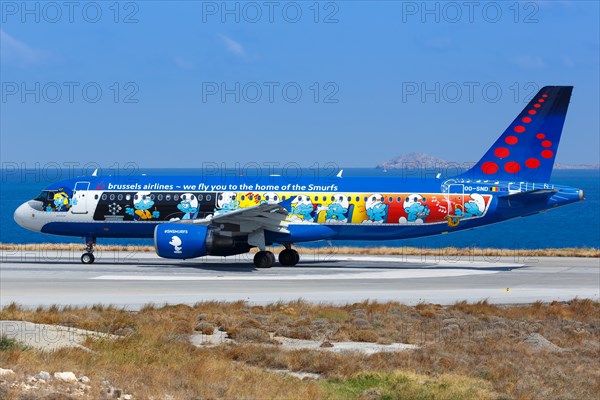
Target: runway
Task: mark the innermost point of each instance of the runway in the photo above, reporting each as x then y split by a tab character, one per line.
130	280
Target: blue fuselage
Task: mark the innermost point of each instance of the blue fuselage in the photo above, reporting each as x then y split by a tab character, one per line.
349	208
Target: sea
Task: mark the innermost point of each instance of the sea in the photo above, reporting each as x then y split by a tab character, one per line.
575	225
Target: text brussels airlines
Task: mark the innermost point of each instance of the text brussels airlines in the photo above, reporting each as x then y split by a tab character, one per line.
138	186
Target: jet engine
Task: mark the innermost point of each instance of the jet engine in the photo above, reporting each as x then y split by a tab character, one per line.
183	241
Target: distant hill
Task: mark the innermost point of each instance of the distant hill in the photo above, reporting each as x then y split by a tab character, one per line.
423	160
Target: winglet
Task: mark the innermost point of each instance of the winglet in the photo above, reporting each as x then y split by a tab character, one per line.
95	173
339	174
287	204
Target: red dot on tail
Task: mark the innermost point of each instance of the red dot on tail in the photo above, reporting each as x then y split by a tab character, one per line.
540	136
512	167
501	152
546	143
489	167
519	129
547	153
544	95
532	112
532	163
537	105
526	120
541	100
511	140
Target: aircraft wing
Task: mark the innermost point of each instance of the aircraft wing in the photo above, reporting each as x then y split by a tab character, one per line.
268	217
263	216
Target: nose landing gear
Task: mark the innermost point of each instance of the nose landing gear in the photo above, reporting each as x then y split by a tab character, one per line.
88	256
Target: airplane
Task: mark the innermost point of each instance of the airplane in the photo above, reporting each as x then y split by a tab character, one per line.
194	216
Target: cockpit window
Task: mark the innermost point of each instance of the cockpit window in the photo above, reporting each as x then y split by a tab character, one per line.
54	201
45	195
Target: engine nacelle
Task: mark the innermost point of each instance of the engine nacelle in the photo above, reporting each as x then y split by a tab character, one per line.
180	241
183	241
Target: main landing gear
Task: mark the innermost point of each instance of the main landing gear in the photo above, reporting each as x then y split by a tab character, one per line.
289	257
265	259
88	256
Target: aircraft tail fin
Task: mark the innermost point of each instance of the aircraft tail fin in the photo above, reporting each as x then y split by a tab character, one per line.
527	148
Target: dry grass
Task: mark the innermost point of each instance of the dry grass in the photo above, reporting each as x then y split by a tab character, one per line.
469	351
441	252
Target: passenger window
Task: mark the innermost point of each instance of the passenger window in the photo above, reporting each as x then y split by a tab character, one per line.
159	197
104	197
128	197
95	197
176	197
208	197
112	197
120	197
243	197
390	199
168	197
200	197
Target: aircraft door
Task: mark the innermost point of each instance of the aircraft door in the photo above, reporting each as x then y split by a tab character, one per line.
456	194
80	194
514	187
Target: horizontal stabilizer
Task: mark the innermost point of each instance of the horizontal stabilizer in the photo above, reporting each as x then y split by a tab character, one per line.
530	195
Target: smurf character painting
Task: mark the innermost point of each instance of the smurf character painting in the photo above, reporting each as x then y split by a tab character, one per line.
176	243
188	206
226	201
302	209
60	202
415	209
336	211
376	209
142	203
270	198
473	208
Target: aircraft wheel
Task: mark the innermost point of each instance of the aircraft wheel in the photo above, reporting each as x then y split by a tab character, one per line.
264	259
87	258
289	257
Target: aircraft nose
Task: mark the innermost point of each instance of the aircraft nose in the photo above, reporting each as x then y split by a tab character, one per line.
24	216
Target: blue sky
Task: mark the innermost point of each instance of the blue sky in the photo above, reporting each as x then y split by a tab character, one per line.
350	82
